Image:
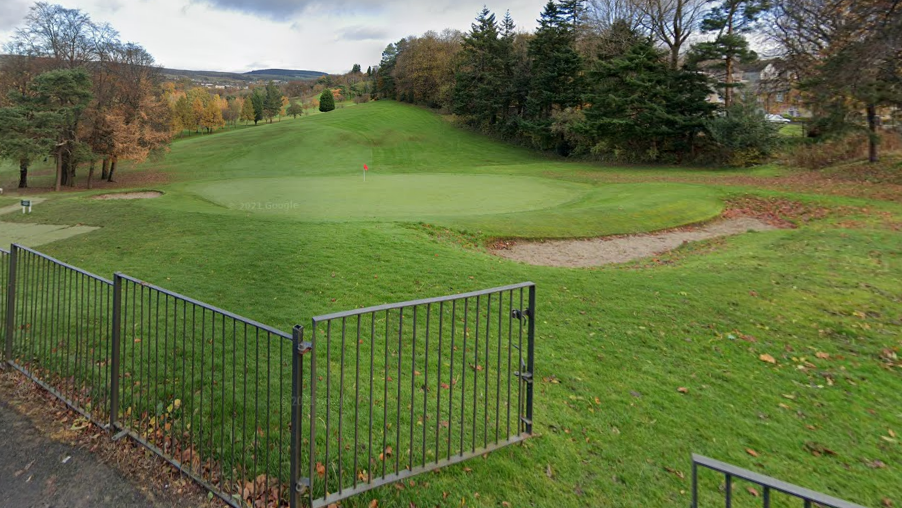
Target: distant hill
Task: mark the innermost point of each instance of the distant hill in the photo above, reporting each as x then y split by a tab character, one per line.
255	75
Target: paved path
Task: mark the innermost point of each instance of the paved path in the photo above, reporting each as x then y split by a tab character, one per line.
38	471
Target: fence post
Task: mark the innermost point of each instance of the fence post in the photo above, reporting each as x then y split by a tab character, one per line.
11	303
530	356
297	365
114	360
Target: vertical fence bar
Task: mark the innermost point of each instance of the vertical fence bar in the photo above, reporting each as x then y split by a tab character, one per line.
694	485
11	302
728	502
530	357
297	336
116	339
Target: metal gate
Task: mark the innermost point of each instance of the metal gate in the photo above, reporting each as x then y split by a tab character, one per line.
402	389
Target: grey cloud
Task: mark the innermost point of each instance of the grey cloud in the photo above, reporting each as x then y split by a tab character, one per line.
362	33
13	13
279	10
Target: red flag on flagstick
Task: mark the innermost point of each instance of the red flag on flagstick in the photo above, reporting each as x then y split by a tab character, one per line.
365	168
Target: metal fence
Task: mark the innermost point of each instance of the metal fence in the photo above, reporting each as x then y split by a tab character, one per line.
767	484
257	415
398	390
58	329
206	389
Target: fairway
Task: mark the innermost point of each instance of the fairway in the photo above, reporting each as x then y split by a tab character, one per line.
637	366
390	197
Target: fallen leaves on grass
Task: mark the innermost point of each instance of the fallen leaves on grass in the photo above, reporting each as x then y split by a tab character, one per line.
768	358
752	491
677	473
823	356
683	389
818	449
751	452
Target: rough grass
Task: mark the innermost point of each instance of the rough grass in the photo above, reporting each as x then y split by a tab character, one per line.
614	344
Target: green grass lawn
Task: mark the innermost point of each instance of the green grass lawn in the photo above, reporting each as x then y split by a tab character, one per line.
614	343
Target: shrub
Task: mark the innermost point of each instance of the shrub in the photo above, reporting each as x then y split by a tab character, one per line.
326	101
741	136
839	149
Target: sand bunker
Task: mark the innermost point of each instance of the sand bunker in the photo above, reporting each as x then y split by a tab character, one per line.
620	249
130	195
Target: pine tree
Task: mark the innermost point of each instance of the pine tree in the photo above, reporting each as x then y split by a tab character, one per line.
272	102
641	109
557	80
479	72
729	20
326	101
258	99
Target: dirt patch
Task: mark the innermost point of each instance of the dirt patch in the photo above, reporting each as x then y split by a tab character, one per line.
620	249
742	214
129	195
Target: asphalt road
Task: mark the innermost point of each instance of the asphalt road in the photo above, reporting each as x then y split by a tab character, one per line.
38	471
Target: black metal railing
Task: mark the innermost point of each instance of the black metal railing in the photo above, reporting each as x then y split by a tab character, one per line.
207	390
58	329
401	389
236	404
767	484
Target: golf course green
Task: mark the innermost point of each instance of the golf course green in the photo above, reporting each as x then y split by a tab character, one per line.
637	365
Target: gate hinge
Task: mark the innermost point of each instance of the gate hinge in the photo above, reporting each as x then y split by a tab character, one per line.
303	485
304	347
521	314
525	376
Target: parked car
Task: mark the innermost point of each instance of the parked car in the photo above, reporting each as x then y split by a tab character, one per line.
776	118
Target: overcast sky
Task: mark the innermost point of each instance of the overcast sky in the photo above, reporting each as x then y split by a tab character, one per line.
242	35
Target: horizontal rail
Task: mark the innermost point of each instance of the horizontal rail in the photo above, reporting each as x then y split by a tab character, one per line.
56	393
408	473
64	265
413	303
772	483
209	307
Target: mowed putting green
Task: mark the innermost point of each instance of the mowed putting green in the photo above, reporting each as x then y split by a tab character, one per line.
494	205
391	197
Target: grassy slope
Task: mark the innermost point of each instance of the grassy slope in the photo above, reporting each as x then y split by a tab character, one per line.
626	335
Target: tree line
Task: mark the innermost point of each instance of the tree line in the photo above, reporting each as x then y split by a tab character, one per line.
75	92
616	80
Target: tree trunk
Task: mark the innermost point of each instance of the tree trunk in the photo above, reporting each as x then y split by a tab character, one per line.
105	169
872	137
91	175
23	174
728	83
65	169
59	170
112	168
72	167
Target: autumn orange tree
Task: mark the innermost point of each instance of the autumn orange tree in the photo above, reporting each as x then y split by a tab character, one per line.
127	116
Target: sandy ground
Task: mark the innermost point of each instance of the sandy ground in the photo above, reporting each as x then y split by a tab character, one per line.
620	249
129	195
